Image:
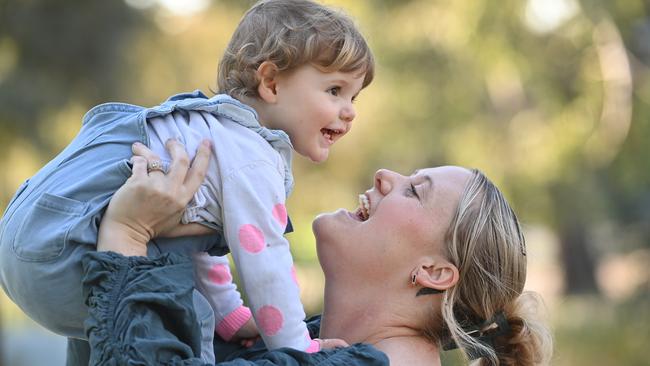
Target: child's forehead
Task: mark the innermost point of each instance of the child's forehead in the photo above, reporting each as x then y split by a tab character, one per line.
334	73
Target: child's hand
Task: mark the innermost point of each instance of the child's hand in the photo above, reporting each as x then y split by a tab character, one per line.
331	343
248	334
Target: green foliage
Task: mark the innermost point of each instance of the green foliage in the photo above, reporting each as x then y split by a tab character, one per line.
593	332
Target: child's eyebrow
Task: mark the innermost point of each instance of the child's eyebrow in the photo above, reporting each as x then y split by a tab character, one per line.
339	81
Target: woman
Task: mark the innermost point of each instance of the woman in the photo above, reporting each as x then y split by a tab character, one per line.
431	260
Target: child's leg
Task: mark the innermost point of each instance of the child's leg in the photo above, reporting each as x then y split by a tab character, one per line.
53	221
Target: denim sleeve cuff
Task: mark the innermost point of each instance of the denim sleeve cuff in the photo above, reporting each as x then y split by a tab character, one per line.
233	322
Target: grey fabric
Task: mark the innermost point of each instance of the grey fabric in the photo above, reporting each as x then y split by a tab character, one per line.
141	313
78	352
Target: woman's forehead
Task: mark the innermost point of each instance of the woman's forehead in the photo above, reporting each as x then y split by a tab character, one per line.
444	182
449	174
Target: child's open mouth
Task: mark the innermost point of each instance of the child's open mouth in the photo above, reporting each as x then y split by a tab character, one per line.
332	135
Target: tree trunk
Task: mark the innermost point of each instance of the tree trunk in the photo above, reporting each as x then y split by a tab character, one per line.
577	260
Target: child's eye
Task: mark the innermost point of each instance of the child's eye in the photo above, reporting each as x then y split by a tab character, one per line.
354	98
335	90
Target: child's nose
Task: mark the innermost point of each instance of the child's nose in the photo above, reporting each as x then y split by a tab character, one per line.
348	113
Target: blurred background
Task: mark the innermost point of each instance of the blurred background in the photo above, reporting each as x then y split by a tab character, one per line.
550	98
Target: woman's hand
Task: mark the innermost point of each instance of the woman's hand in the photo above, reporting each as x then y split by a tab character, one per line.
151	203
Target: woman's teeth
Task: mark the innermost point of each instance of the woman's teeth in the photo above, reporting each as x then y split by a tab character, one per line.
364	207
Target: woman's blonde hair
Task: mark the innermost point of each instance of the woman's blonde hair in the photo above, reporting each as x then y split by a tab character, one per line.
291	33
485	242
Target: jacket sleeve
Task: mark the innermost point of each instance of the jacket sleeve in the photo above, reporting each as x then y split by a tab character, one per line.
141	313
140	310
214	281
255	219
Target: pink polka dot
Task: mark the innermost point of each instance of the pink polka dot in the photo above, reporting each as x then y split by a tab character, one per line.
251	238
280	214
220	274
294	275
269	319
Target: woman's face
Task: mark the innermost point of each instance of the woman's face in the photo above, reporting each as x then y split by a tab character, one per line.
406	219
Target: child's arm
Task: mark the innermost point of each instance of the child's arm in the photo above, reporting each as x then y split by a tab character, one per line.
254	223
214	280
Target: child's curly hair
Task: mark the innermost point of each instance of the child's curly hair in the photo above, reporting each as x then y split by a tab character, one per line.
291	33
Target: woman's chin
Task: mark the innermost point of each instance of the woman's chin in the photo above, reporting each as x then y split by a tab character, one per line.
320	225
328	229
329	223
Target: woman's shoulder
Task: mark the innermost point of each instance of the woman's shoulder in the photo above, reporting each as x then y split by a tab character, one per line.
409	351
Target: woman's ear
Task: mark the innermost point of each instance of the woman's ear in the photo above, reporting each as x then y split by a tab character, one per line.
267	73
436	274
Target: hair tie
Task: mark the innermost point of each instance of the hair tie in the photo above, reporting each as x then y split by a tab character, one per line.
503	327
485	337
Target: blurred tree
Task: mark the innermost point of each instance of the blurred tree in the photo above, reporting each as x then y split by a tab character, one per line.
57	51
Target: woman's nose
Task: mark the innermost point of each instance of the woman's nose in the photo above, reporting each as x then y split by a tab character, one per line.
385	180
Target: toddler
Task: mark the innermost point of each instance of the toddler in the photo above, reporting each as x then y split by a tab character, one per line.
286	81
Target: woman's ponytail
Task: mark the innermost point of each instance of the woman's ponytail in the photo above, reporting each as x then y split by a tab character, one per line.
529	340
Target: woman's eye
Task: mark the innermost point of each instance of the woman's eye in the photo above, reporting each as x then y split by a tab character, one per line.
334	90
412	192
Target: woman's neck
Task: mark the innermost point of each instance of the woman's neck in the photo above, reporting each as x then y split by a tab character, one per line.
411	351
367	318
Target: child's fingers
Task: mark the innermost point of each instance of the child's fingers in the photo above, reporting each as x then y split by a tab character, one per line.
139	167
247	343
331	343
180	161
199	167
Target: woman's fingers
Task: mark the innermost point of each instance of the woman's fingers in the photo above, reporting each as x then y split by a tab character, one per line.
180	161
139	168
172	190
154	164
141	150
197	172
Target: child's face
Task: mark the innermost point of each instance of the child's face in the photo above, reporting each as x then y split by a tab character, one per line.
315	108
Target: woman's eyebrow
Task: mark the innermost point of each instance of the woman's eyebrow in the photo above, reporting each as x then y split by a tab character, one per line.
428	180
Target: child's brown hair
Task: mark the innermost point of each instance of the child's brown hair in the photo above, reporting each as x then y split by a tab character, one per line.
291	33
